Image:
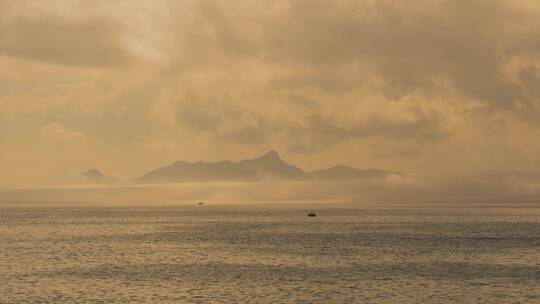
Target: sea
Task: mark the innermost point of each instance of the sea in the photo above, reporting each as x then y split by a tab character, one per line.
269	254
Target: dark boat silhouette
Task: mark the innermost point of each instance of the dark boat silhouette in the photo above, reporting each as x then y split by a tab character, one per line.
312	214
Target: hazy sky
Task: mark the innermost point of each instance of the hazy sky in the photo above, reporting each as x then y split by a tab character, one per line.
433	88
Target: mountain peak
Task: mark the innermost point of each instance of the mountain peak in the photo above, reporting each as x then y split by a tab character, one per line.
93	173
272	154
96	176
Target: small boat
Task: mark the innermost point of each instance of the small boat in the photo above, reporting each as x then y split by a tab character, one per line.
200	203
312	214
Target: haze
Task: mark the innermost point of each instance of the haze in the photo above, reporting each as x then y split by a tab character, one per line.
269	151
446	92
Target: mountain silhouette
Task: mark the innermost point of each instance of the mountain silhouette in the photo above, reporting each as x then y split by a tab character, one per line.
268	167
97	177
344	172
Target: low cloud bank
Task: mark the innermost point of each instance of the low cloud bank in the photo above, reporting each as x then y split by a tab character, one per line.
495	189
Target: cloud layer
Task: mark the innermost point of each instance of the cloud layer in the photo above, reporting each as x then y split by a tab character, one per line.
434	88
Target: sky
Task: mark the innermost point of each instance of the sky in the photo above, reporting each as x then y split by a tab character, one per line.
436	89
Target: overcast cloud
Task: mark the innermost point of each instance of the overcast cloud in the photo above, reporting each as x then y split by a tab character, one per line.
430	88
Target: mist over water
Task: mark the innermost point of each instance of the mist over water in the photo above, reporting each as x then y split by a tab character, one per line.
483	191
269	254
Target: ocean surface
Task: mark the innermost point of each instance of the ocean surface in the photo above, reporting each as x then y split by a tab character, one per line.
269	254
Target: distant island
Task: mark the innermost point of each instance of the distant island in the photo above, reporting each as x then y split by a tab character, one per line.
268	167
97	177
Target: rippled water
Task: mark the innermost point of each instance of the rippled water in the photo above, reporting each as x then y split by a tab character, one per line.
212	254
